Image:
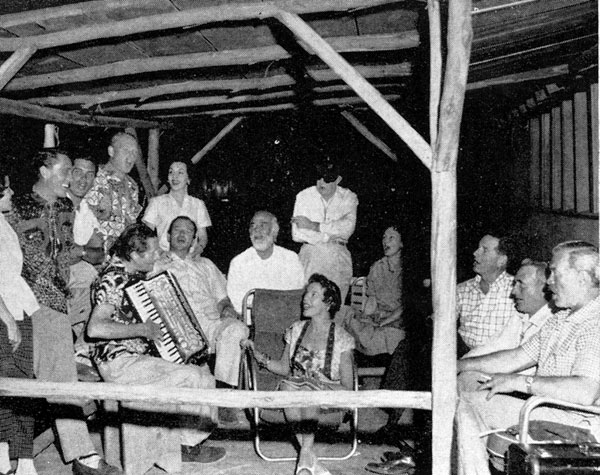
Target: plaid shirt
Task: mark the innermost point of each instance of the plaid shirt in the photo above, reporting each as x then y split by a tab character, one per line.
569	343
482	316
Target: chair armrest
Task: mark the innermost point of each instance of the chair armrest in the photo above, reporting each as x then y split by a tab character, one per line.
536	401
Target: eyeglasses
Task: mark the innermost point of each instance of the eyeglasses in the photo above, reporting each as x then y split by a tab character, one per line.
78	173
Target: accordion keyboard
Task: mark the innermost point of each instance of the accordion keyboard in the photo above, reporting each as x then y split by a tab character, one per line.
161	300
146	310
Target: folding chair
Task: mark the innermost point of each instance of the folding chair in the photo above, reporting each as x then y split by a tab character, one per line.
269	313
358	301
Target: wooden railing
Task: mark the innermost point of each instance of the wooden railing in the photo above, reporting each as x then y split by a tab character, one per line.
12	387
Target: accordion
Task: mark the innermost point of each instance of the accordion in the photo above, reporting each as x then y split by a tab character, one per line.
161	300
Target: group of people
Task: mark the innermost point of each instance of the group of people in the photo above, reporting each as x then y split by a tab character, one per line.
536	333
79	238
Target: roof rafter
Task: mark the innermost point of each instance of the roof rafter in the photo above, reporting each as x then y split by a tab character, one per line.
205	60
337	101
185	18
232	85
226	99
24	109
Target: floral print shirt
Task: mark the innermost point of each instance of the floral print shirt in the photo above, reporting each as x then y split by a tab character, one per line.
114	201
109	288
45	232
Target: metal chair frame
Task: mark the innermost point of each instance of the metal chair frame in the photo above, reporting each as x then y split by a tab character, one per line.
536	401
248	378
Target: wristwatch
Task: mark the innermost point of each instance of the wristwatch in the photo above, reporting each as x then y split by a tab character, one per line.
528	383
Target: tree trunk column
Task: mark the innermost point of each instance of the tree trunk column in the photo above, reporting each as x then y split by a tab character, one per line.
443	256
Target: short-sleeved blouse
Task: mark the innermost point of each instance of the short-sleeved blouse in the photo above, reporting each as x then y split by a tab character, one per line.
343	341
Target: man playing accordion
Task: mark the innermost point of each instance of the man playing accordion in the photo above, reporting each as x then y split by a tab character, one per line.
122	351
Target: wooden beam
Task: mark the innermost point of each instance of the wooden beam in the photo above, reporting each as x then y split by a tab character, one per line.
226	99
181	19
180	62
75	9
366	133
360	85
153	156
337	101
216	139
388	71
443	233
435	68
152	395
517	78
47	114
13	64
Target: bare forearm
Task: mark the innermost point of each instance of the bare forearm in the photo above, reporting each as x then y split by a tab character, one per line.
507	361
576	389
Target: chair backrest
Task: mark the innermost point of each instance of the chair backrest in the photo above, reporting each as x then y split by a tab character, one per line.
270	313
358	293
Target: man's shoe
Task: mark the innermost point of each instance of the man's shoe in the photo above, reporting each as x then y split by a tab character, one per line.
202	453
103	469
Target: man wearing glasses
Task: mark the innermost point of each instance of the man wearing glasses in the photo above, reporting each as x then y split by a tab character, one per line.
324	219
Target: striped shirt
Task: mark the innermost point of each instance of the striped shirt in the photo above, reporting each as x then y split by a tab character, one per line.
483	316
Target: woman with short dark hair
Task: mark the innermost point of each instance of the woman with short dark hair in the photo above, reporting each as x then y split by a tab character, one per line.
317	356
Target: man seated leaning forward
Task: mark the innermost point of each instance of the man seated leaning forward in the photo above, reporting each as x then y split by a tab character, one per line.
205	288
122	345
566	351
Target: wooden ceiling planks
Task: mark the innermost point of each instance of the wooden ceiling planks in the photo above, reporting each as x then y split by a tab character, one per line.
516	37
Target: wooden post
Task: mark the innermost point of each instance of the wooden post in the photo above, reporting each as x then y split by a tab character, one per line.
443	237
140	166
14	63
216	139
153	157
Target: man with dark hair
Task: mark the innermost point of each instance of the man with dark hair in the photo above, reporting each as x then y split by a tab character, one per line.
566	352
205	288
88	246
42	221
265	265
324	219
484	305
114	195
123	341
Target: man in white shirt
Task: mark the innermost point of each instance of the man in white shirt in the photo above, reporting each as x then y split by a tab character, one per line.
205	288
162	209
324	220
265	265
531	300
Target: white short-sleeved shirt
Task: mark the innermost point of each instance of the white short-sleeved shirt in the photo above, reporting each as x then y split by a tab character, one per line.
17	295
162	210
247	271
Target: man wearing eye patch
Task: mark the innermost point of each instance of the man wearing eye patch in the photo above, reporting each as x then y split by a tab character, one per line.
324	219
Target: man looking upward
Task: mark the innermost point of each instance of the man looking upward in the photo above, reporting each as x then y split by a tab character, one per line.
566	351
265	265
484	304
